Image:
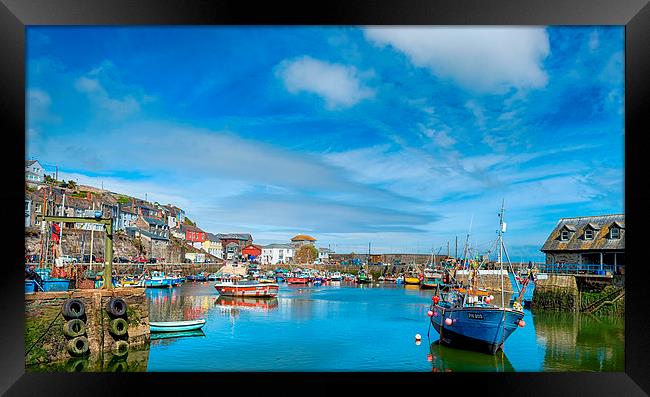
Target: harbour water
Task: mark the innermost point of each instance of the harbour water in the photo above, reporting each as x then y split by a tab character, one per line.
349	327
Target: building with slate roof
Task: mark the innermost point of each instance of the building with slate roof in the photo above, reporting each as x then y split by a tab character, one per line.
587	240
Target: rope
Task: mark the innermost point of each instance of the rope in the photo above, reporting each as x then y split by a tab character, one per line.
41	337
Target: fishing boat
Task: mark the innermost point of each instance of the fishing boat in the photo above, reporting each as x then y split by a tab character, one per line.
363	277
336	276
412	278
431	279
299	278
157	280
465	317
246	288
133	282
399	279
176	326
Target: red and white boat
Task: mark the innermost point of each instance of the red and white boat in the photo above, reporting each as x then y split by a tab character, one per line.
298	280
250	288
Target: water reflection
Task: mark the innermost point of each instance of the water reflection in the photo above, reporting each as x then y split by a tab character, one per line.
580	342
247	302
165	338
448	359
176	304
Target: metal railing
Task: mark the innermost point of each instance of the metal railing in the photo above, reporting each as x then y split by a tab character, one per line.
576	268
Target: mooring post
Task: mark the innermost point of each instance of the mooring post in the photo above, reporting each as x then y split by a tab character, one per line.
108	273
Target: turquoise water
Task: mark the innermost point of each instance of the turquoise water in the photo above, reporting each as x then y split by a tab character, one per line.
347	327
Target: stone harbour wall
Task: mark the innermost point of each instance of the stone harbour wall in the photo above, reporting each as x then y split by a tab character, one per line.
45	341
556	292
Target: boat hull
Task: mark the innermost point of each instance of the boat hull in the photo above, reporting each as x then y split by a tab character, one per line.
476	328
298	280
411	280
252	290
176	326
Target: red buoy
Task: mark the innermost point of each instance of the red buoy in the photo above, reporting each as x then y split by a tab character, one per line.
522	323
448	321
430	313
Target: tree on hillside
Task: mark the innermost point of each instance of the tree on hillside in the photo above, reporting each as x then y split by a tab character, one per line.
306	254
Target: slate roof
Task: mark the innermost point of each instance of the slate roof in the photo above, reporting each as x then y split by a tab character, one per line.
154	221
281	246
577	242
234	236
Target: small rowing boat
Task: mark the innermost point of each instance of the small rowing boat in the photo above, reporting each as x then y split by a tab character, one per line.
176	326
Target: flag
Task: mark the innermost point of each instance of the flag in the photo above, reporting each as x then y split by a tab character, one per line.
56	232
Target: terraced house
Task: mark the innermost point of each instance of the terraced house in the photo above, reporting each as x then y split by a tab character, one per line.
588	240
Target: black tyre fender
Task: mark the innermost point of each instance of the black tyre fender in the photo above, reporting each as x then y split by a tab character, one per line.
74	328
116	307
79	364
121	348
73	308
118	327
78	346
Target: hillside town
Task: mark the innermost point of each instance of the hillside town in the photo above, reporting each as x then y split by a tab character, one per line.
147	231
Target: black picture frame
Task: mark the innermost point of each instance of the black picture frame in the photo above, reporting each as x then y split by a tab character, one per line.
15	15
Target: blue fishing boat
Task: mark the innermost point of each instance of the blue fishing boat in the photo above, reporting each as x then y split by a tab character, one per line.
176	326
465	317
158	280
473	324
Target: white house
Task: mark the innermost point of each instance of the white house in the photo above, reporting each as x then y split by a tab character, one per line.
274	254
324	254
34	171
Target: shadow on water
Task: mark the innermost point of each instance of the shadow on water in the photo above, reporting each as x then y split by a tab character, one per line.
580	342
448	359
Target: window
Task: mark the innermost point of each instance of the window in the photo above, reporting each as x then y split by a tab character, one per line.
564	236
614	232
589	234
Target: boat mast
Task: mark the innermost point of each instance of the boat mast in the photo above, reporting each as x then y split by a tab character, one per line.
501	225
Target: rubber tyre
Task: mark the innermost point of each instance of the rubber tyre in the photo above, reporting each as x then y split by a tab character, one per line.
118	327
78	346
121	348
73	308
116	307
74	328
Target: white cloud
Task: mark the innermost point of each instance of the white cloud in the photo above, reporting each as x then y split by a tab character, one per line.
38	106
339	85
440	138
485	59
117	107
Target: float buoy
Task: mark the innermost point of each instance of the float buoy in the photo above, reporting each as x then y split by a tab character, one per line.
522	323
448	321
418	337
430	313
435	313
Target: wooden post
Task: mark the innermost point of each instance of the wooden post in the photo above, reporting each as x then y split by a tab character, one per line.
108	253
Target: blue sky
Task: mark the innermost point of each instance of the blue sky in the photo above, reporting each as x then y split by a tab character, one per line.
398	136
